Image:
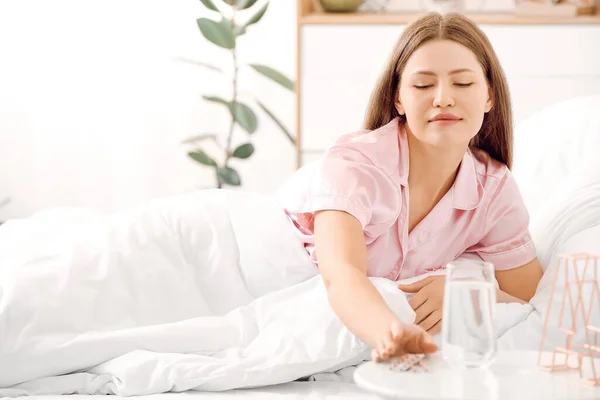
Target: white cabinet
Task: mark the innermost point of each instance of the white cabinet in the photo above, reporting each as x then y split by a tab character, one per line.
340	63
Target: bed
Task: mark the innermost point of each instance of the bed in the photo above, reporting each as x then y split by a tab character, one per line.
90	303
291	390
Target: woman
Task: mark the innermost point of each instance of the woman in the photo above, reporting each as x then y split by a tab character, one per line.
427	181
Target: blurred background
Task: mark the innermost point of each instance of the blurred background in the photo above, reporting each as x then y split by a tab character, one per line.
108	104
96	98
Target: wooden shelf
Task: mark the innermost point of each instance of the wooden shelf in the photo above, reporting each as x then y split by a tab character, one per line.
403	19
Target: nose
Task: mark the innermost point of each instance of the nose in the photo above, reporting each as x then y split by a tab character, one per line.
443	96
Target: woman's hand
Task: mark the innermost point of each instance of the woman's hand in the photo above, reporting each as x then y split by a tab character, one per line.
343	260
428	302
400	339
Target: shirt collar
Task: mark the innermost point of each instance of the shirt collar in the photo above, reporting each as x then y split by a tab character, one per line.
404	154
467	190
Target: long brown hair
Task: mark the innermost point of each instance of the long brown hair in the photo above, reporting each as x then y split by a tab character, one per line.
496	133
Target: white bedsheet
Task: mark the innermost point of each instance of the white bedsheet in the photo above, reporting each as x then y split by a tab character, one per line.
286	391
208	291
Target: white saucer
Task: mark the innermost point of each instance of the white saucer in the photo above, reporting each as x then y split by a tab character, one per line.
512	376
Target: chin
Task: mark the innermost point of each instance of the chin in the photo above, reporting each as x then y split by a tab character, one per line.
443	140
446	136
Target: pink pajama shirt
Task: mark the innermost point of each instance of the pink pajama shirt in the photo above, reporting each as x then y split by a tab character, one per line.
366	175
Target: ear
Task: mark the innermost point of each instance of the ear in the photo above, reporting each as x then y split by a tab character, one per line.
490	102
398	105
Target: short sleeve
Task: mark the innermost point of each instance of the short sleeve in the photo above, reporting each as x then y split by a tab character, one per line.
506	241
344	179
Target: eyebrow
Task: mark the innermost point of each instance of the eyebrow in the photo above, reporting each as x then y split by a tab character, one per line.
456	71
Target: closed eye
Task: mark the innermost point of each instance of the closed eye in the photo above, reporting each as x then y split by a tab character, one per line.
456	84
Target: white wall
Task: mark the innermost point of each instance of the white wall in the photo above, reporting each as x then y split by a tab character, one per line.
94	104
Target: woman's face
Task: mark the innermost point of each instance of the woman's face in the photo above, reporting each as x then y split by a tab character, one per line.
443	94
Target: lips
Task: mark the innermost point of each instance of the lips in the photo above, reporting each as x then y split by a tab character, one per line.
445	117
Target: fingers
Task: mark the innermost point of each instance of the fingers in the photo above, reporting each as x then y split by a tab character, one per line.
428	345
415	286
375	356
418	299
417	340
424	311
389	346
402	339
385	348
437	328
431	320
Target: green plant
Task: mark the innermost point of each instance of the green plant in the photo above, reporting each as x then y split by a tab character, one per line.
234	19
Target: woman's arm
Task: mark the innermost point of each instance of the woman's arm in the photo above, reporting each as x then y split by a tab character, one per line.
519	284
342	257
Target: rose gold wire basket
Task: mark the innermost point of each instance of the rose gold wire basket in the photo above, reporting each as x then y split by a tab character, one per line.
580	271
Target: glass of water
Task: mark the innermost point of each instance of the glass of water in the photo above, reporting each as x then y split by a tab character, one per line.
468	327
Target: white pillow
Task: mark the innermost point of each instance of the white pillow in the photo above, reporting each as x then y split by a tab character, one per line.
557	167
570	212
554	146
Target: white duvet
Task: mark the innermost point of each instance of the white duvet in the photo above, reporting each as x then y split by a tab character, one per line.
207	291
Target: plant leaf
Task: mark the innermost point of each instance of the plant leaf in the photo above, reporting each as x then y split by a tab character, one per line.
277	122
219	100
245	4
215	99
242	114
202	158
274	75
229	176
210	5
199	138
239	30
256	17
201	64
219	33
243	151
245	117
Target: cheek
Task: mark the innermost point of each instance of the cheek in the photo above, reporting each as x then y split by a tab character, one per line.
476	111
415	106
475	104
